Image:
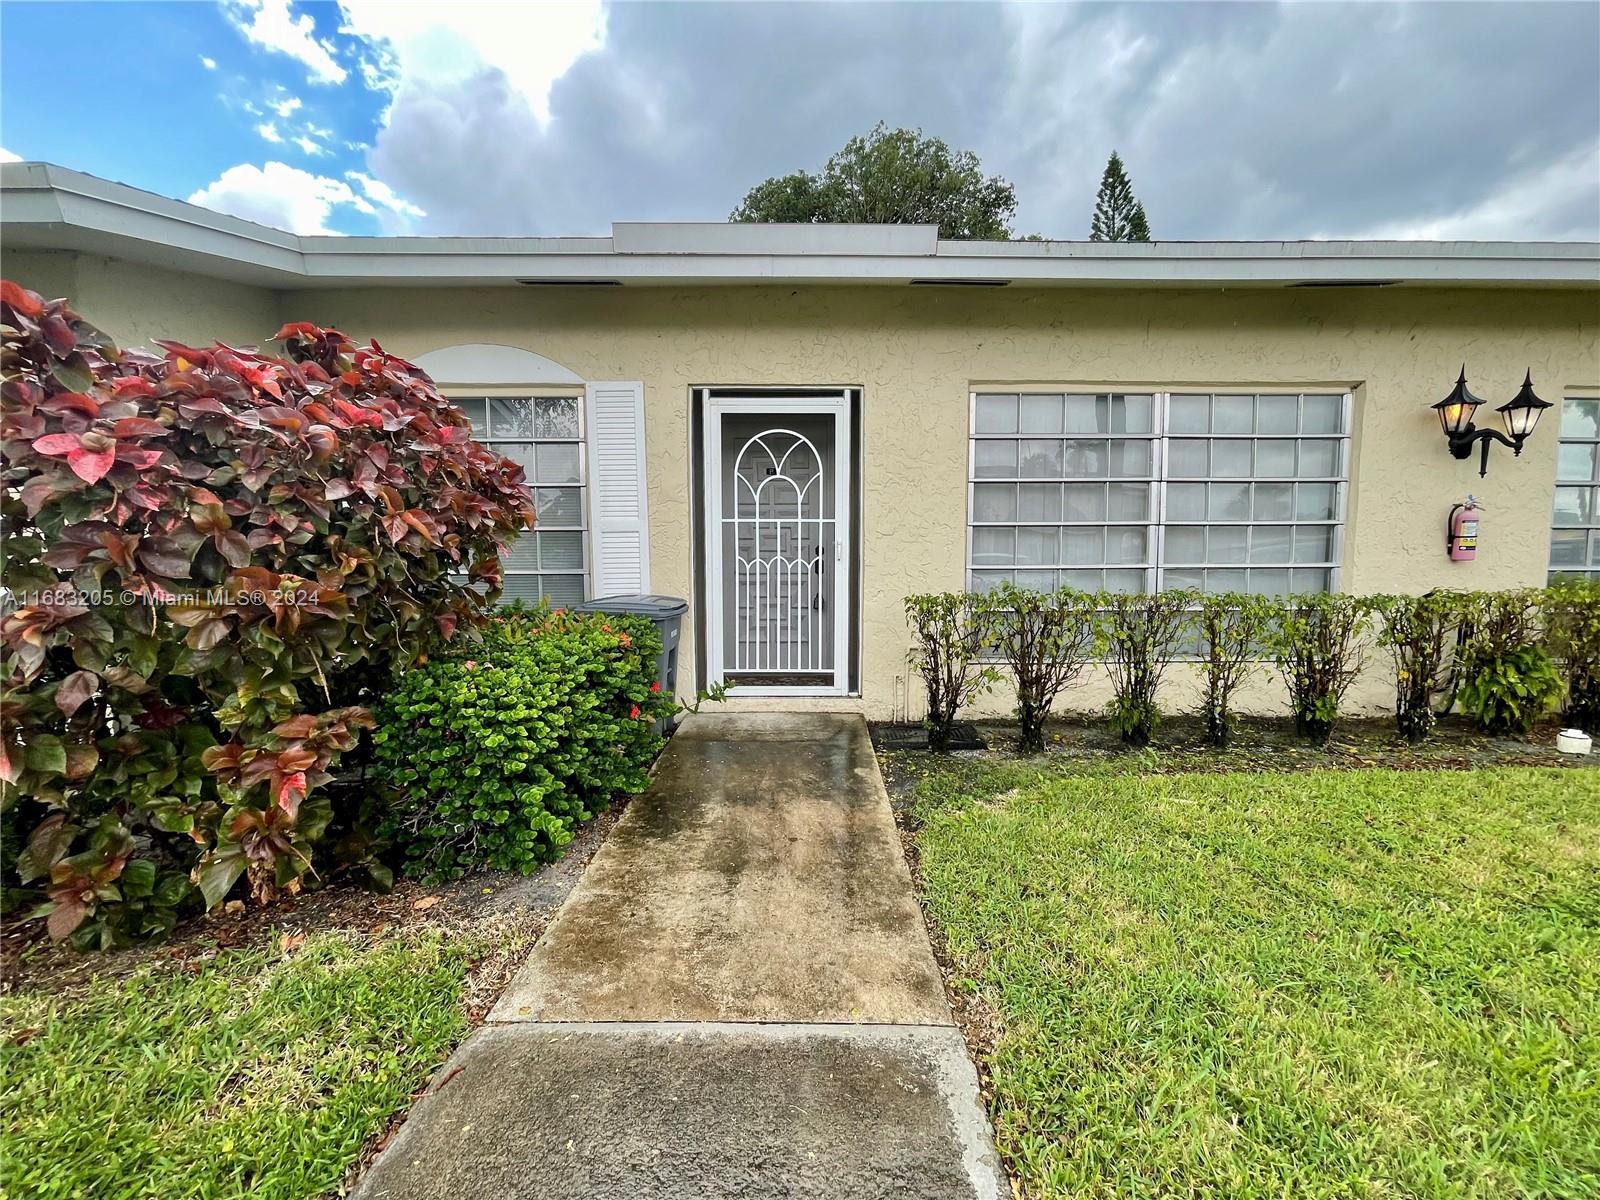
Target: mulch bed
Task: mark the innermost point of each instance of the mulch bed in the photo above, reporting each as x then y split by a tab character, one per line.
521	904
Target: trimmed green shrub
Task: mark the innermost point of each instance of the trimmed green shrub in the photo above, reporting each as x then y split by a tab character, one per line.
1506	679
1138	635
948	636
495	754
1233	628
1318	643
215	558
1418	632
1046	641
1572	618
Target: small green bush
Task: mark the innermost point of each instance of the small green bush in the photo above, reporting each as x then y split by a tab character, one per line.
1138	635
1046	641
1319	647
495	754
1418	632
1572	617
948	635
1506	680
1233	627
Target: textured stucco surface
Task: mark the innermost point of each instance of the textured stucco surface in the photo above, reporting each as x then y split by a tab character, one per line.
917	352
137	303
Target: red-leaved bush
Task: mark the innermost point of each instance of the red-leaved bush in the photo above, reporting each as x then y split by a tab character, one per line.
212	558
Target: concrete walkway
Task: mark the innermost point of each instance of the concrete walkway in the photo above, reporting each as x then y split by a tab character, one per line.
738	999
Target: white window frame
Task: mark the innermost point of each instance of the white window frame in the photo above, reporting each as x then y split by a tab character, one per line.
1591	569
488	439
1160	479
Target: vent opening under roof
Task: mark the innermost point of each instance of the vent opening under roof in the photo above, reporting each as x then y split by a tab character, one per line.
570	282
960	283
1343	283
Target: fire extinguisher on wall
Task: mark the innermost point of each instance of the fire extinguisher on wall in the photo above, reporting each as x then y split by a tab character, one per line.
1461	531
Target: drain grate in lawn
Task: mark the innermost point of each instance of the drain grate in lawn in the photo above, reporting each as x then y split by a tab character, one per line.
963	736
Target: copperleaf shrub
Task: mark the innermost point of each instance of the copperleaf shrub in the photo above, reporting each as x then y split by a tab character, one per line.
1572	619
495	754
1138	636
948	639
1418	632
214	558
1319	642
1505	677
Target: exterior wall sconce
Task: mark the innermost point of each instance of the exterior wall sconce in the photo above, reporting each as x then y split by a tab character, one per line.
1519	415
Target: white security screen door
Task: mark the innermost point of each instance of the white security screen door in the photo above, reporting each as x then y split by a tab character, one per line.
778	517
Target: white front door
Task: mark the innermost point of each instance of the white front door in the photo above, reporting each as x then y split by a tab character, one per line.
777	543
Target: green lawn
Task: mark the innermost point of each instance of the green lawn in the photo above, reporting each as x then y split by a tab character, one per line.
1330	983
258	1074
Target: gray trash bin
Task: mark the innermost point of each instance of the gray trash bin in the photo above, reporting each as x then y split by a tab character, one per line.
667	614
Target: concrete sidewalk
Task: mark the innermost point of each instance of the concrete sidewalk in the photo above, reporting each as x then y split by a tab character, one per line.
738	999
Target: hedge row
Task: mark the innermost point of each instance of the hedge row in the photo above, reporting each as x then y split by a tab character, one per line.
1506	658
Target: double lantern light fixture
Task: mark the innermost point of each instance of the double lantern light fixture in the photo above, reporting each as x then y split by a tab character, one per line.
1520	414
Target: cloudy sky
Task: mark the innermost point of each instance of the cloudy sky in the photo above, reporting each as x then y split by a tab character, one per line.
1236	120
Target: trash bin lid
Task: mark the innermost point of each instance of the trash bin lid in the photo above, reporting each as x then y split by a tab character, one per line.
644	605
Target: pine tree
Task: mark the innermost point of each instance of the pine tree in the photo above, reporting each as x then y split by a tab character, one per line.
1118	215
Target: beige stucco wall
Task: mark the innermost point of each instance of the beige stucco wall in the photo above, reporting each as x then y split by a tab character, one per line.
135	303
917	352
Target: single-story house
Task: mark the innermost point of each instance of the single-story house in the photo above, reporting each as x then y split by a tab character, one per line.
795	426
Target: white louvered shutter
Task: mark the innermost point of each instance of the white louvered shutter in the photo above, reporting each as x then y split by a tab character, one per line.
618	516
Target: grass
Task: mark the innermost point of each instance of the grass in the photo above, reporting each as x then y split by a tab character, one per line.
1316	984
261	1072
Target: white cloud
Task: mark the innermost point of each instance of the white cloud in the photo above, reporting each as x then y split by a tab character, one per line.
7	156
280	196
1559	202
307	145
380	192
269	24
432	48
284	107
269	131
209	64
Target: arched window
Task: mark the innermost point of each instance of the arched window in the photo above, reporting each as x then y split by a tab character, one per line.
531	410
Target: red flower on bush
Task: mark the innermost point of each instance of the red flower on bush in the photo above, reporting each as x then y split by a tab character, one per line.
633	713
655	685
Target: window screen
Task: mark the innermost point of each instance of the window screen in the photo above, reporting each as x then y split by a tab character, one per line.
545	435
1215	491
1575	532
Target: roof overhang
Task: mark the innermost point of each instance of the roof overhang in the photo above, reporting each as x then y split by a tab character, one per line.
43	206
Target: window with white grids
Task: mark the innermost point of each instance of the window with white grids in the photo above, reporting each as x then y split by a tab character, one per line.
1575	536
545	435
1138	491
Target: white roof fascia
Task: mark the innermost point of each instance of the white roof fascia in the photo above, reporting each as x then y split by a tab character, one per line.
48	207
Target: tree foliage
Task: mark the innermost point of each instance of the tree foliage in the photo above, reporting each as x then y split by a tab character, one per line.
1118	214
213	557
894	177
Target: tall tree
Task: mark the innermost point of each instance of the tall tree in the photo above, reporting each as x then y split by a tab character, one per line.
1118	215
895	177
